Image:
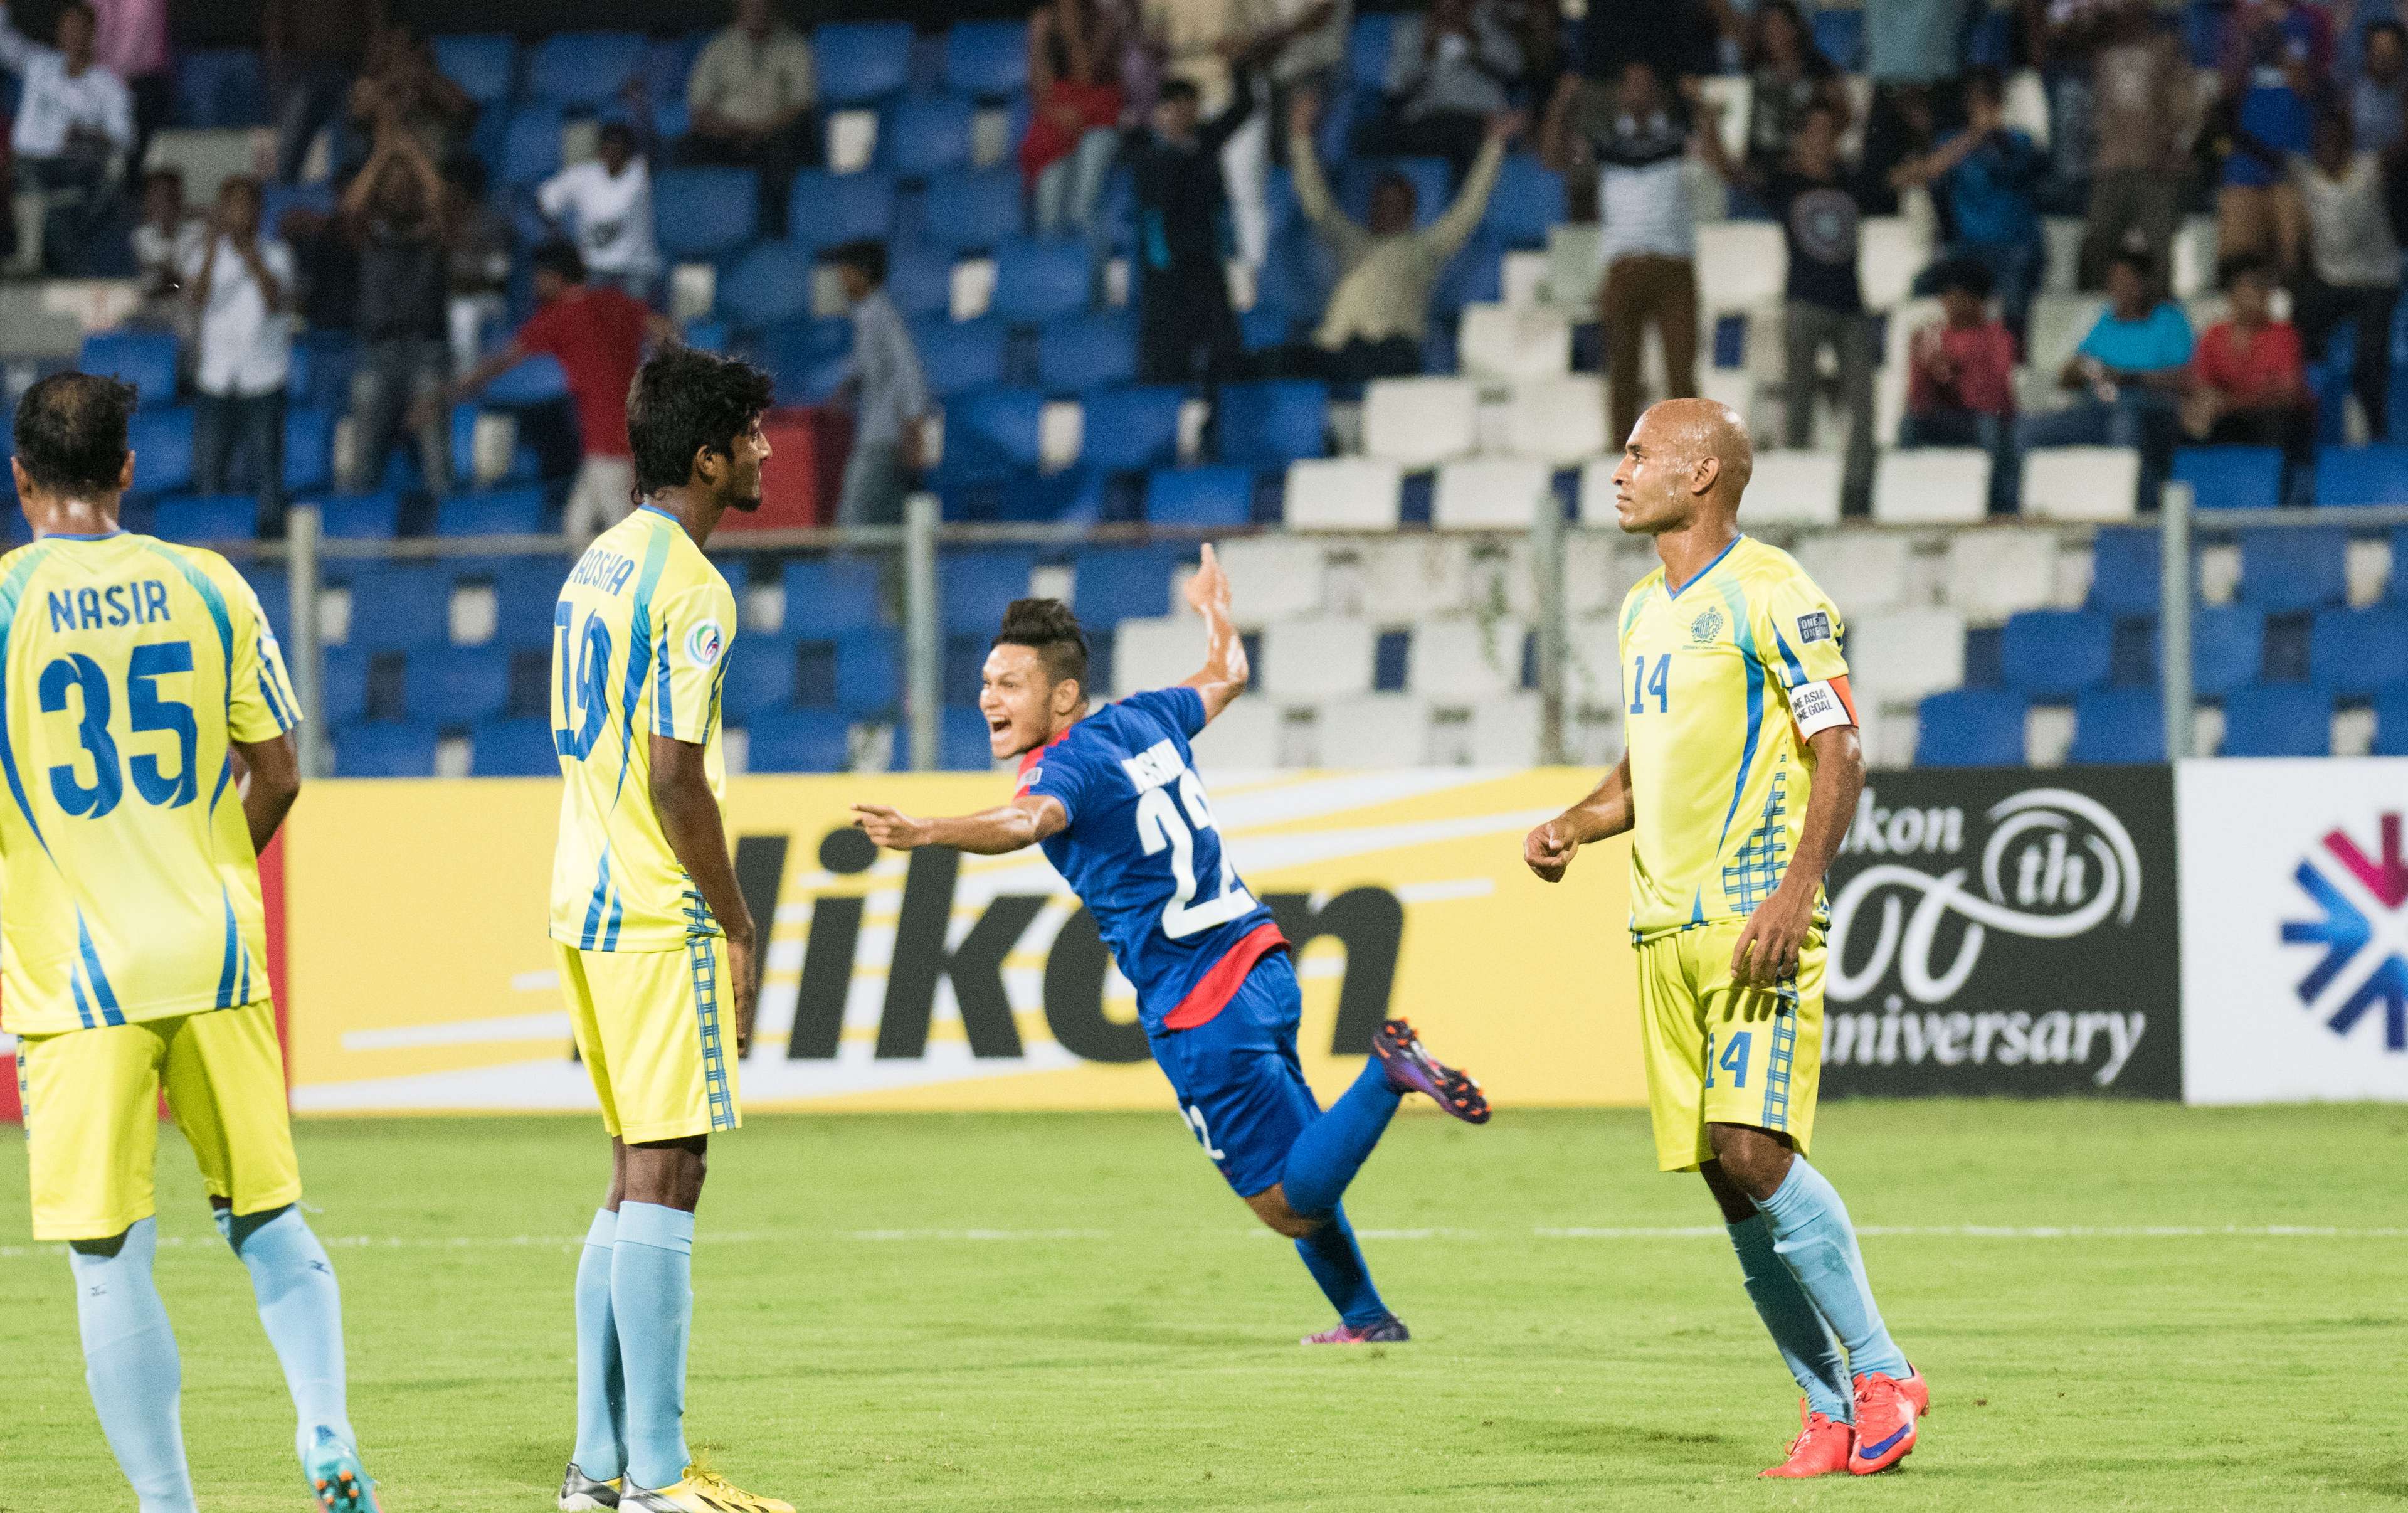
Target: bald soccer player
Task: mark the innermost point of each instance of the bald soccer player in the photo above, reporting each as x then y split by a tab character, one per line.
1740	769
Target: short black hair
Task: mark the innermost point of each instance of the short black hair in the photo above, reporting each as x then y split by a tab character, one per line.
868	256
2242	266
2137	260
1178	89
685	401
1967	274
560	257
71	433
1047	627
619	132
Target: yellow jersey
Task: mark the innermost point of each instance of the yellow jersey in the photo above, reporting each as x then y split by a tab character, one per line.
128	887
1726	677
639	648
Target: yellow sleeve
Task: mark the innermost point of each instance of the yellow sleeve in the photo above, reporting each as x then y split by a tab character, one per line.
1799	632
261	704
696	625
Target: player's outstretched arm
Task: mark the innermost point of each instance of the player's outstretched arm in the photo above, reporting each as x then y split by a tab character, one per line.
1767	948
690	818
1549	849
270	774
1023	822
1225	671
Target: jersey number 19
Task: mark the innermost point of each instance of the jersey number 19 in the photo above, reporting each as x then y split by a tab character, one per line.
1159	823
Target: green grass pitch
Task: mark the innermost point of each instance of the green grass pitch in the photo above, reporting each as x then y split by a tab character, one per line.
1011	1313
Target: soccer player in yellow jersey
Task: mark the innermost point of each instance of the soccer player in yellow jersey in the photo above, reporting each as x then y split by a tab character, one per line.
656	946
148	760
1741	770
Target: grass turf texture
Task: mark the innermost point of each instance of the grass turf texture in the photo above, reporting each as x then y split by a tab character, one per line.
1126	1337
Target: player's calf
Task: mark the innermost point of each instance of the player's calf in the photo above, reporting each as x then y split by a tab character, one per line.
1412	1069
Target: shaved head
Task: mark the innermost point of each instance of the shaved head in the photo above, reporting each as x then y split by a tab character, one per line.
1686	460
1701	429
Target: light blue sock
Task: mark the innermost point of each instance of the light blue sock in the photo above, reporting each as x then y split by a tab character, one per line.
1812	1233
1334	1147
130	1362
601	1390
1336	1261
303	1311
1797	1330
651	1303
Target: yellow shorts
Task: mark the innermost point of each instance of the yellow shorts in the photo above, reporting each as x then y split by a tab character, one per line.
1723	1055
91	1116
655	1033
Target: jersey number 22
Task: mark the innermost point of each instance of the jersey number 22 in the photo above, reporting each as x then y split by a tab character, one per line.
1159	823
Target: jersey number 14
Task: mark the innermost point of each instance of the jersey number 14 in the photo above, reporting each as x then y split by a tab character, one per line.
1159	823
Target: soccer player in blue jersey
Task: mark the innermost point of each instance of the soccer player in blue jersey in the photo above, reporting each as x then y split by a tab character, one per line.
149	759
1112	795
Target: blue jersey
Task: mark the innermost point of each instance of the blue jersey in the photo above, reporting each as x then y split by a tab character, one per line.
1142	854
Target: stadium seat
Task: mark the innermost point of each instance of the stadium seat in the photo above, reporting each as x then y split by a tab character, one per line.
1087	350
146	359
1740	265
1839	35
760	677
483	65
526	591
973	587
1459	659
862	62
1865	572
1990	574
1891	251
771	282
1557	419
1527	203
805	355
827	210
869	682
1419	423
1150	652
2376	474
2118	725
2057	653
1199	498
959	356
513	511
2277	720
1490	493
987	58
2391	722
2227	647
308	447
2081	482
1036	278
161	443
208	517
2126	574
530	146
1795	486
583	68
972	208
522	747
1970	727
452	686
991	434
2231	478
353	518
1366	49
828	596
922	135
1369	732
1131	429
1515	341
1906	654
1932	485
1354	494
2356	654
962	735
2299	567
345	671
1112	584
216	88
385	748
702	213
1323	657
798	740
920	280
396	606
539	381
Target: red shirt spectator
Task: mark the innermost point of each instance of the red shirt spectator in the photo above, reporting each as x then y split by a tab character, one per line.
597	335
1962	368
2251	368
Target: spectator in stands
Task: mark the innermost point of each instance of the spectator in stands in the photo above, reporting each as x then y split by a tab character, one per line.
1073	136
1960	382
2378	104
2265	117
1451	71
477	264
401	77
393	212
2248	382
1787	75
2144	120
1311	55
1639	143
75	121
164	241
1990	172
328	266
596	333
2351	277
1201	43
314	49
1186	329
130	41
1676	40
751	100
889	393
241	290
2130	372
1380	313
1820	202
605	206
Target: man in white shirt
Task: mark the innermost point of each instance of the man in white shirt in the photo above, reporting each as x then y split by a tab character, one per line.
75	121
750	98
241	290
605	207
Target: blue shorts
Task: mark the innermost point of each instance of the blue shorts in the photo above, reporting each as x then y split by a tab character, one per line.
1237	1079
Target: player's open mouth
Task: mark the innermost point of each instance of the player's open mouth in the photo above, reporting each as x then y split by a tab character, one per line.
998	725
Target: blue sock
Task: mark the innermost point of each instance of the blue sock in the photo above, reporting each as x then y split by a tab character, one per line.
652	1304
1797	1330
1812	1233
130	1362
1333	1147
303	1311
601	1389
1336	1261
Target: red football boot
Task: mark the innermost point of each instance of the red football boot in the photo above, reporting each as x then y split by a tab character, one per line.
1887	1410
1820	1449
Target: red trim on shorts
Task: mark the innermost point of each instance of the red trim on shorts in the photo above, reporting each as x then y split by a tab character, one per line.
1218	986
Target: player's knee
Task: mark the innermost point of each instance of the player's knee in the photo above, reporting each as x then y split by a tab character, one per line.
1272	1209
1752	1159
102	1249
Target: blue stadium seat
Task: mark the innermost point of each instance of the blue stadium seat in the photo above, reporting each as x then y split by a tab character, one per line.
2359	653
385	748
399	606
2391	721
1112	584
868	672
507	512
828	596
1839	35
584	68
514	748
988	57
2294	569
268	582
990	434
374	517
308	447
2057	653
807	357
1036	278
2227	647
2124	569
963	733
1087	350
1366	49
1970	727
760	677
2231	478
798	740
1272	423
530	146
483	65
1133	429
701	213
453	686
1527	200
220	87
920	280
345	669
1203	497
827	210
146	359
2119	725
2376	474
974	586
1428	177
162	441
926	134
2283	719
1476	277
668	63
972	208
959	356
861	61
771	282
525	589
207	518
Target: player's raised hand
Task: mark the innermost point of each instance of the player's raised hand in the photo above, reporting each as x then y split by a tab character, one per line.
1767	948
889	828
1209	589
1548	850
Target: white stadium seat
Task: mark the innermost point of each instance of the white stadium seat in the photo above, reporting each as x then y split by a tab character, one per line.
1891	251
1593	662
1740	262
1342	494
1596	493
1322	656
2061	236
1427	574
1458	659
1997	572
1505	732
2194	256
1600	570
2081	482
1794	487
1489	493
1573	267
1865	571
1373	731
1421	422
1244	737
1557	419
2059	323
1932	486
1905	653
1510	341
2027	105
1279	577
1153	652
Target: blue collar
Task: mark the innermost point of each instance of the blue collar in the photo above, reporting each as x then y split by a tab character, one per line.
656	510
92	535
1670	592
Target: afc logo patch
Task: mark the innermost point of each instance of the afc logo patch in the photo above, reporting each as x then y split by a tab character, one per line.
1815	626
703	643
